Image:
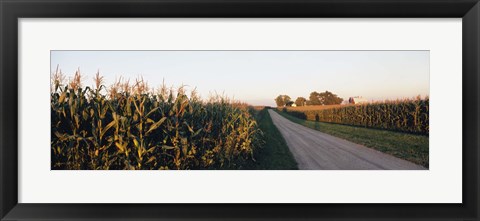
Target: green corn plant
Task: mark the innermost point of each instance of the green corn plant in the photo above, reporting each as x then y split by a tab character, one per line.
409	115
130	127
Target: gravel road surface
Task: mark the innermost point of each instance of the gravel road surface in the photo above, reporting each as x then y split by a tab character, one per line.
314	150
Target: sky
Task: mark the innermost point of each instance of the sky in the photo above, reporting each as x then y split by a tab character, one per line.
257	77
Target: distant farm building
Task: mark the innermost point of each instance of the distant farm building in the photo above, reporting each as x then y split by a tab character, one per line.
294	105
357	100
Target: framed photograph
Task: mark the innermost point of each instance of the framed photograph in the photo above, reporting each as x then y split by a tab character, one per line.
227	110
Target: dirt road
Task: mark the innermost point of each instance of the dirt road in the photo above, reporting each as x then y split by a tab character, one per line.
314	150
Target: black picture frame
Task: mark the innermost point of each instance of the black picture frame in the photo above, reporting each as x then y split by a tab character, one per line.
11	10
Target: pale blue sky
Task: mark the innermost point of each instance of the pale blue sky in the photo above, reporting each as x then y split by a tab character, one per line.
257	77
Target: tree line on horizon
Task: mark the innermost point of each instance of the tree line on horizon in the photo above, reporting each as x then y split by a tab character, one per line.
315	98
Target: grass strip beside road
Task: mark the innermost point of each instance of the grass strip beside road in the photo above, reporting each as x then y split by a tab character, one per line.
274	155
411	147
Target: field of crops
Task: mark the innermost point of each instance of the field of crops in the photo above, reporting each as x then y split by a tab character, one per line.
410	115
314	107
131	127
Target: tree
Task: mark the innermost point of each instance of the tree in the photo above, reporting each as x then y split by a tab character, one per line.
330	98
324	98
300	101
315	98
282	100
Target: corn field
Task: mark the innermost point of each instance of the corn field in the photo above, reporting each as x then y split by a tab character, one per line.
133	127
409	115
